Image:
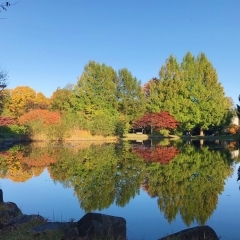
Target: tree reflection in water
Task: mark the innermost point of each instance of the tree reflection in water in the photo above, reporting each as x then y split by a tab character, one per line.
190	183
238	174
185	180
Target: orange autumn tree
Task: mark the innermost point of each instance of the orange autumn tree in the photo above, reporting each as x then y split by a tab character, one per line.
233	129
45	116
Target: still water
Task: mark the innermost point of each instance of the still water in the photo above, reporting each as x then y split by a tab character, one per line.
159	187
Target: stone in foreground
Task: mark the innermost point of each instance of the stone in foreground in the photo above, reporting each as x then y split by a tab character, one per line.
101	226
8	211
196	233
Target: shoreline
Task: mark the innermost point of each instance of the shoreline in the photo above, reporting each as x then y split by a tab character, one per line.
116	139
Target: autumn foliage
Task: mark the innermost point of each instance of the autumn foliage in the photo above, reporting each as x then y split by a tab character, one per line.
44	161
233	129
7	121
40	114
157	121
157	153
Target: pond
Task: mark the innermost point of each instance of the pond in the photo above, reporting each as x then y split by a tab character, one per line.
159	187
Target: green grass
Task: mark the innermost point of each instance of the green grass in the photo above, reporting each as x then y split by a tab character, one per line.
21	232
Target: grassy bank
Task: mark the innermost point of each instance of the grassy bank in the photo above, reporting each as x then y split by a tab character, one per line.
78	135
21	232
82	135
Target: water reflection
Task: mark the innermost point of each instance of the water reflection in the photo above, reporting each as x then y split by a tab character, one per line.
190	183
186	179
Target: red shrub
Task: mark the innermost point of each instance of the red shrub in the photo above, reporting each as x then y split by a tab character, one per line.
6	121
39	114
158	121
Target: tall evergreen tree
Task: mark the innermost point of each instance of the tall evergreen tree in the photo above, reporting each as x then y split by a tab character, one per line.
208	95
131	99
190	91
96	89
170	93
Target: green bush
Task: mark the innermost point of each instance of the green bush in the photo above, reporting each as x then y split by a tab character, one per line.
103	124
164	132
14	129
19	129
36	127
74	120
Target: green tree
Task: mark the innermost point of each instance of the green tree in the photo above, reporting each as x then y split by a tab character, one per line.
238	108
63	99
169	93
190	91
103	123
96	89
207	95
131	99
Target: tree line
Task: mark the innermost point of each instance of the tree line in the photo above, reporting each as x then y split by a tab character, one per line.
186	96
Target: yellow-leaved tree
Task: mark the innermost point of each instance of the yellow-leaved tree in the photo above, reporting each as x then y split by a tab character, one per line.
24	99
20	98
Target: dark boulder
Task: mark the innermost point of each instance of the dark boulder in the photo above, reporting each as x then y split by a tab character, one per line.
14	223
101	226
196	233
8	211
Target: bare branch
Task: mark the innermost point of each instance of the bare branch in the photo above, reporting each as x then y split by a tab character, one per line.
4	6
3	79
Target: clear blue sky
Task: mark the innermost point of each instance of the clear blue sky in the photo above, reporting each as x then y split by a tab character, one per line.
45	44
